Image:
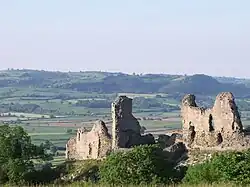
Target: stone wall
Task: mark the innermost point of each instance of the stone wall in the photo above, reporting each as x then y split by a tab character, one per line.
219	125
126	133
126	130
89	145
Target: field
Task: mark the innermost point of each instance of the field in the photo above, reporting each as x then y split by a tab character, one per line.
56	114
57	120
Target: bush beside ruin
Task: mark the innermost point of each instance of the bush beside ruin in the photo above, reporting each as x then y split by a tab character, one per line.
233	167
144	164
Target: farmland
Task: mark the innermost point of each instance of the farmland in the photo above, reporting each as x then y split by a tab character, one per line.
51	110
58	119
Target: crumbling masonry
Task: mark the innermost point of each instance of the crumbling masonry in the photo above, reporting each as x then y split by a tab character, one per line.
95	144
217	126
126	130
98	143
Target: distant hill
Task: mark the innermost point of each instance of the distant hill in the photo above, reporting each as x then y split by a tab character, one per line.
106	82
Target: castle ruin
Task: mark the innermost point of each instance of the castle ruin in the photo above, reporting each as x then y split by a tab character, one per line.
126	130
217	126
96	144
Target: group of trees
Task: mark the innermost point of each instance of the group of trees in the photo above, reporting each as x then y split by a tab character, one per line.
147	103
49	147
147	164
105	82
16	154
94	103
17	107
138	103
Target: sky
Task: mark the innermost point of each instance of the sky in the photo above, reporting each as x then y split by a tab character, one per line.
142	36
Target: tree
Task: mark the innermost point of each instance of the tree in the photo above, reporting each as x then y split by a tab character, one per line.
53	149
69	131
16	152
47	144
142	165
51	116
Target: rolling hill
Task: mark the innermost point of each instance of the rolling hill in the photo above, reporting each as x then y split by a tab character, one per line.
106	82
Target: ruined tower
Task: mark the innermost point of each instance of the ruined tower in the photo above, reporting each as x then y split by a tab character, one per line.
219	125
126	130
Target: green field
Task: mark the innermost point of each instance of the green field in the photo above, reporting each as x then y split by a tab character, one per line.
56	130
55	114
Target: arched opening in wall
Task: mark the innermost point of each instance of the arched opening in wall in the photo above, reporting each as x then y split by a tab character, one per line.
191	133
219	138
90	150
211	123
79	136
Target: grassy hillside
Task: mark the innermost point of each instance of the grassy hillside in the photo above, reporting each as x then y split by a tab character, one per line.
105	82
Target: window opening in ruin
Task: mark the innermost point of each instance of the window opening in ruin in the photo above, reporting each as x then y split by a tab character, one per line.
90	149
219	138
211	123
192	133
233	126
79	136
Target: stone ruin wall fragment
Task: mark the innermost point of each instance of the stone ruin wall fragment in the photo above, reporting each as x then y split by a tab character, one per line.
126	133
95	144
126	130
219	125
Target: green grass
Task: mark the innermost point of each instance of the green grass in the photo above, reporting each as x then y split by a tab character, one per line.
47	129
86	184
57	140
55	129
9	118
151	124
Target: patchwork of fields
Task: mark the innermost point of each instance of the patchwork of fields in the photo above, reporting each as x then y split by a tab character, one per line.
49	114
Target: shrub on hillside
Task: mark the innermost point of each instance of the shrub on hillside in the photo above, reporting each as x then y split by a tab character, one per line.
202	173
225	167
141	165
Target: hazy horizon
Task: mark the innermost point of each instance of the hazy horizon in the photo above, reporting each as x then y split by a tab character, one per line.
194	37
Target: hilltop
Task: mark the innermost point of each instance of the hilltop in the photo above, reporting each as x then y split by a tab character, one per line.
107	82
